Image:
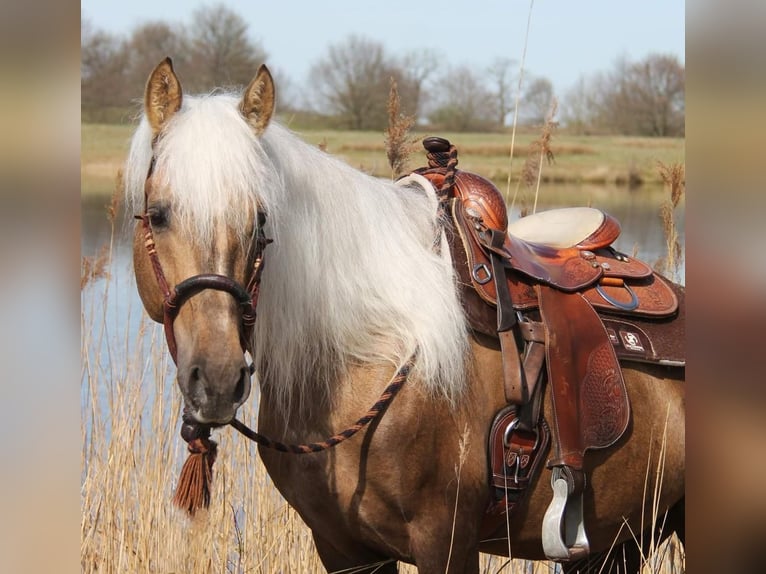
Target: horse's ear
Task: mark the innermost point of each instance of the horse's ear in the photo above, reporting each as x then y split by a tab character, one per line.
163	95
258	100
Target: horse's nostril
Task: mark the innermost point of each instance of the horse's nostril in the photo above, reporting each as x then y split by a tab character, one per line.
242	388
195	386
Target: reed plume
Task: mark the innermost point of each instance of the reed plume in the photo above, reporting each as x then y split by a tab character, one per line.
516	108
674	178
539	150
399	143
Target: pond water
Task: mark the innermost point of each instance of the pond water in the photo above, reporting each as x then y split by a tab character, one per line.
637	211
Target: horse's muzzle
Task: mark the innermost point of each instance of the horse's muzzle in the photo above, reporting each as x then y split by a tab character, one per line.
213	392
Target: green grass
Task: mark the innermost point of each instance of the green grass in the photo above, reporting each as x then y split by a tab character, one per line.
607	160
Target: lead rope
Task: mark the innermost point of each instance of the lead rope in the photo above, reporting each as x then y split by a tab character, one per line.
374	412
193	490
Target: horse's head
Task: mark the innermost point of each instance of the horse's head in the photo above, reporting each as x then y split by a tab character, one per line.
194	246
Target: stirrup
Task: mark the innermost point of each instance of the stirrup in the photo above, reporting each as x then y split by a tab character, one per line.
564	537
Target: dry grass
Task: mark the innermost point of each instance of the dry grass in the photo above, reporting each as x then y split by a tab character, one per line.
597	160
399	142
674	178
94	267
540	149
517	100
132	454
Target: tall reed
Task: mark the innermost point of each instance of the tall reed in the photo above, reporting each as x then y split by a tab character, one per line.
398	141
674	178
132	454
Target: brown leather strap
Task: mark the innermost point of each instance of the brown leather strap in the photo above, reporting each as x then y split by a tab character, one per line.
174	298
513	374
534	359
533	332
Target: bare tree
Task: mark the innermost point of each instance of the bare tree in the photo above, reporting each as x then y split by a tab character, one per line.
463	103
414	70
148	45
501	77
537	100
577	111
654	96
220	50
352	81
103	66
641	98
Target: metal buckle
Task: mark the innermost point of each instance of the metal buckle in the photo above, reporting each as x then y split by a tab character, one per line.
481	267
508	430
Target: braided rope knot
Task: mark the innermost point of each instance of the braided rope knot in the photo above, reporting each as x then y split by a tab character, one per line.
441	154
446	158
193	489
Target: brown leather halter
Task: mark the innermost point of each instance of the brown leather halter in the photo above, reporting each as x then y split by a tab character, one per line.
247	298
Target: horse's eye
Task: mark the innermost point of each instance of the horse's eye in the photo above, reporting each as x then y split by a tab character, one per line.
158	216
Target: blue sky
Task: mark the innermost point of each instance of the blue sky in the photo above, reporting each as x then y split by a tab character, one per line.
566	39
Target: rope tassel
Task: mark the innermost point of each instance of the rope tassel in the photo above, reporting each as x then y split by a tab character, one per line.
193	490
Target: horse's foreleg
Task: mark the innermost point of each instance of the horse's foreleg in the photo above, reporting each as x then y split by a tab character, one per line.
358	560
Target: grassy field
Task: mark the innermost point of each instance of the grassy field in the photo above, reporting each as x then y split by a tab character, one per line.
578	159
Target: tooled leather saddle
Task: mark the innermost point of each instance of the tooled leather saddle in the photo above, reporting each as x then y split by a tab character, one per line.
557	295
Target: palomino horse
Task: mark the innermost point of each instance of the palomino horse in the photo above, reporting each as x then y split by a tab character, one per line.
352	288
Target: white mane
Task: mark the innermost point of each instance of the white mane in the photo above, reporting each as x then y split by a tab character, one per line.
351	276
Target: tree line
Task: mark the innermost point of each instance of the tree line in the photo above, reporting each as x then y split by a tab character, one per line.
348	85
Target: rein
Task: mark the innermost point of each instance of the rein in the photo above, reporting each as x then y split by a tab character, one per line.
193	489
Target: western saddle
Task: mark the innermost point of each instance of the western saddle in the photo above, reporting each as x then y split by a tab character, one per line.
555	293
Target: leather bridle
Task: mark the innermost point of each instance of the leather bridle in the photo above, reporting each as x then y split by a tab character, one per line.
174	298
